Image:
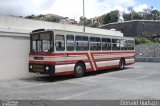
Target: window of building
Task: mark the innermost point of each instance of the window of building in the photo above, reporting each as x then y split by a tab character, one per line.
82	43
70	43
115	44
60	42
106	44
95	43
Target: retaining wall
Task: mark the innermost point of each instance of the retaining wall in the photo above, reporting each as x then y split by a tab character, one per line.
148	53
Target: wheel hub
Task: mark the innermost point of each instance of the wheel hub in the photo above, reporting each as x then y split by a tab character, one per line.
79	69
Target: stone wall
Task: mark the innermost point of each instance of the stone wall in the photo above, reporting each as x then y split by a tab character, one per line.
148	53
136	28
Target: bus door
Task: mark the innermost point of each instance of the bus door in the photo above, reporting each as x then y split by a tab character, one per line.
61	54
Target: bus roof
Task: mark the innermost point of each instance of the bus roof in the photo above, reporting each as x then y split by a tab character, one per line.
89	30
82	33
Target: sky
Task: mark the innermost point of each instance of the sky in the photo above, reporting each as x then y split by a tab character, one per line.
72	8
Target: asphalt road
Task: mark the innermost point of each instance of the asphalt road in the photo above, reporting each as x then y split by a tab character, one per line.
138	81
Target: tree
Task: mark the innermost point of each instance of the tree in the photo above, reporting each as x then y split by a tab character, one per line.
88	22
136	16
147	14
126	17
85	20
31	16
106	18
131	10
155	14
53	19
114	15
110	17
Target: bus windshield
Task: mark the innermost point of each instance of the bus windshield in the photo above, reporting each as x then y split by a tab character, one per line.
41	42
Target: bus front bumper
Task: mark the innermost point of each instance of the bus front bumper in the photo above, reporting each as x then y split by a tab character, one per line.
42	69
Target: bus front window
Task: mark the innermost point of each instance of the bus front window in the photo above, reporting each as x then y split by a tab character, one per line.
41	42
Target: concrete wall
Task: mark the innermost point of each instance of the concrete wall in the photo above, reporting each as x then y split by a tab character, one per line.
14	50
28	25
13	57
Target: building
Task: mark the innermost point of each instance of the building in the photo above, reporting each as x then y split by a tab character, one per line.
96	21
66	20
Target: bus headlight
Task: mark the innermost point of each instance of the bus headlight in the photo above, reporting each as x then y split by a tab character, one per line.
47	68
30	66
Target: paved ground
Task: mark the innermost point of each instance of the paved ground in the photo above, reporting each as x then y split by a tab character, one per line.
138	81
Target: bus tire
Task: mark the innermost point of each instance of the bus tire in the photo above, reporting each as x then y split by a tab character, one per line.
79	70
122	64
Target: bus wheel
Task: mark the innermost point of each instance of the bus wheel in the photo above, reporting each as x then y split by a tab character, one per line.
122	64
79	70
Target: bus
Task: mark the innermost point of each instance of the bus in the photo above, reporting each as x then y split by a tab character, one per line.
61	52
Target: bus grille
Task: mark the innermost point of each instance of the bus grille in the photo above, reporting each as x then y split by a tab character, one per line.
38	68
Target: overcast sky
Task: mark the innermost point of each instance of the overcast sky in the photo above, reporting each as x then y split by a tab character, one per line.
71	8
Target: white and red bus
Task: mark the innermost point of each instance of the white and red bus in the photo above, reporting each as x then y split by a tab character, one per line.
60	52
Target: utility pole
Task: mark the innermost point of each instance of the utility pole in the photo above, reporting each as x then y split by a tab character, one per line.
84	19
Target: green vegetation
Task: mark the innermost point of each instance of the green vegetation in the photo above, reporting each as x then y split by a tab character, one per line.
53	19
147	14
50	18
110	17
143	40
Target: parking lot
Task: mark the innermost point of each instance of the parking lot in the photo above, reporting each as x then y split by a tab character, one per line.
138	81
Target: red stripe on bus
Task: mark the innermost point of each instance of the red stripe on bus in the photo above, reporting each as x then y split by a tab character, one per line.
72	72
57	63
74	62
65	73
90	62
106	59
108	67
42	62
94	61
113	52
47	54
56	54
89	70
111	59
63	54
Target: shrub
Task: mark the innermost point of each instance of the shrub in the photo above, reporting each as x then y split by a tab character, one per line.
143	40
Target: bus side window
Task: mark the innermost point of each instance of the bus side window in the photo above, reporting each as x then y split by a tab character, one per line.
98	42
131	44
34	49
106	44
95	43
60	42
85	43
115	44
123	44
82	43
70	43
